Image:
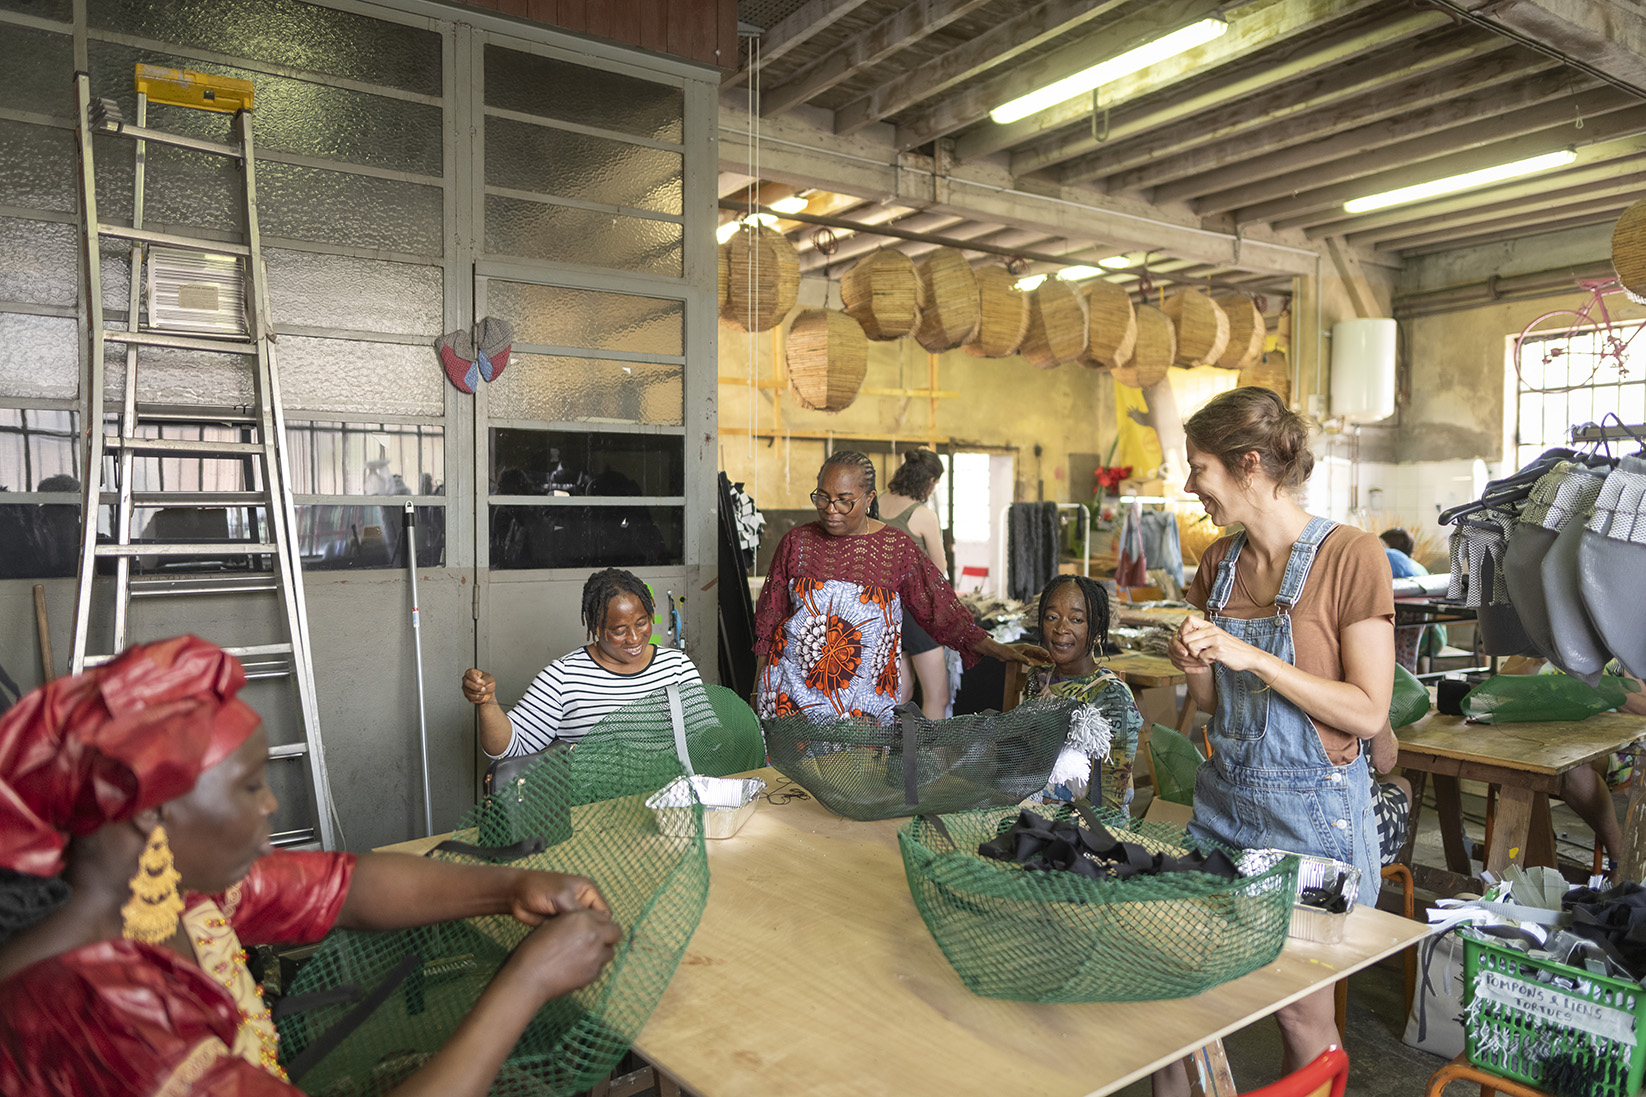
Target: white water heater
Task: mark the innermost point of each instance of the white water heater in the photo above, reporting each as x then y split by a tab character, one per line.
1363	370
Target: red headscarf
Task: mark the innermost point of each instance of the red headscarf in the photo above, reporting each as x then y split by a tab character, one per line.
98	748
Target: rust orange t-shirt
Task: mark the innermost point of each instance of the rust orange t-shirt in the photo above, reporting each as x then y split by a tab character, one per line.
1348	582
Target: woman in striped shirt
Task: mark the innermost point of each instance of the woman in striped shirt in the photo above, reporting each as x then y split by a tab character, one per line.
571	695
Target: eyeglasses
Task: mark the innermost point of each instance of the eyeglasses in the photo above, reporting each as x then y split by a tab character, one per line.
843	504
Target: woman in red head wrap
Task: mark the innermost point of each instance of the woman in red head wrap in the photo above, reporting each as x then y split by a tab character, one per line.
141	785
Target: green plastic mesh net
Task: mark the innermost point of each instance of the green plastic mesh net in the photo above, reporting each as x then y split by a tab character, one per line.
1037	936
587	808
863	770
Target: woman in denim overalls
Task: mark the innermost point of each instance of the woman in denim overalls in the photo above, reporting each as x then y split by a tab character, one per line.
1269	782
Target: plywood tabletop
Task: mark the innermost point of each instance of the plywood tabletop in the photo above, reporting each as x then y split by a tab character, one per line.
1549	748
812	973
1142	669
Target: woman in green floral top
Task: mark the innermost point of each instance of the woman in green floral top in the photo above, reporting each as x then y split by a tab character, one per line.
1074	619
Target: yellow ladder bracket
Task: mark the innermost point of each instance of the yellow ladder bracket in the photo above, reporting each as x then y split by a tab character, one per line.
187	88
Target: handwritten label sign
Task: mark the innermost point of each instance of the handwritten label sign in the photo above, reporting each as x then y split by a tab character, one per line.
1557	1007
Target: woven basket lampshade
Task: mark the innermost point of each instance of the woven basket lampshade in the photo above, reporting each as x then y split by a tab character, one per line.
1111	326
1271	371
1202	327
1246	331
1002	315
1629	251
882	293
763	278
828	356
950	314
1057	325
1154	352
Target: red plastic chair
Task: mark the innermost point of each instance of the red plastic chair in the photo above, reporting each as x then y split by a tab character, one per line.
1327	1076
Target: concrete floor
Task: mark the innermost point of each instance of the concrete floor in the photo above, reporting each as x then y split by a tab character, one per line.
1380	1064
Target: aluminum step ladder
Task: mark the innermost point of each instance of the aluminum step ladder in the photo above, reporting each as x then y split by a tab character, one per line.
211	296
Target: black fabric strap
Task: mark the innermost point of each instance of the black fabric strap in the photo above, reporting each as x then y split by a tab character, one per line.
513	852
331	996
323	1045
937	822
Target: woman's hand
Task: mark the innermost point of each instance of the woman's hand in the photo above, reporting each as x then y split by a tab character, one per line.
1024	654
565	953
1384	750
1180	655
479	688
1204	643
537	896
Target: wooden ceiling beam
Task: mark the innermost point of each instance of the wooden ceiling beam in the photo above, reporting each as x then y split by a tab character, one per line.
1607	114
1279	89
813	17
1609	35
1595	164
1257	33
1227	163
972	103
1330	137
862	243
1558	199
1518	225
1496	237
892	34
998	46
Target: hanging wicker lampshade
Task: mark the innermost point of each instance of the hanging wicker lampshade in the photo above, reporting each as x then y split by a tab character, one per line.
1002	315
1246	331
1271	371
882	293
1111	326
1202	327
1057	325
828	356
1154	352
763	277
1629	251
949	316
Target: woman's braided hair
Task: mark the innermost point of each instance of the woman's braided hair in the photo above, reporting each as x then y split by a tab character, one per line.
860	461
1097	608
605	585
25	900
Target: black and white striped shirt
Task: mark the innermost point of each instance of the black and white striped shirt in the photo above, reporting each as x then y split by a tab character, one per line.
573	693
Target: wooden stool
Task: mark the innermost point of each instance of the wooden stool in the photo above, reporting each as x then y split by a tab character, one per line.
1461	1070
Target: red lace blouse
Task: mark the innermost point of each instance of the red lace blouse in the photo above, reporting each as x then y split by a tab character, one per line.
887	558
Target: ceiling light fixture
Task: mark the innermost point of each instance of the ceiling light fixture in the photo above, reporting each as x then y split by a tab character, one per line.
1077	272
1115	262
1170	45
726	231
765	219
1030	282
792	204
1461	182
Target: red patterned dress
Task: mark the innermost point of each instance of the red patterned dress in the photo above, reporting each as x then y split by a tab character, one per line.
830	621
123	1019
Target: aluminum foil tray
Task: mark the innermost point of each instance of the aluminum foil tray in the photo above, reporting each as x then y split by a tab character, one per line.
727	804
1310	923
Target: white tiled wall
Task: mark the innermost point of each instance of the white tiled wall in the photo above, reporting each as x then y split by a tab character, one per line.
1414	493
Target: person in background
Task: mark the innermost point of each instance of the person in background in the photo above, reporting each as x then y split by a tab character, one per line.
1411	644
135	862
569	696
1074	619
904	507
1295	662
830	618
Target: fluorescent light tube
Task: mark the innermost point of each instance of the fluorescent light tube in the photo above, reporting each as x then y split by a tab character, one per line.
726	231
765	219
1030	282
1170	45
1115	262
1465	181
1077	272
792	204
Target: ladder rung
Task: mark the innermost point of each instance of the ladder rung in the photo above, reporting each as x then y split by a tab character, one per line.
181	342
177	140
254	650
199	499
190	413
171	239
302	839
194	548
289	750
171	586
197	447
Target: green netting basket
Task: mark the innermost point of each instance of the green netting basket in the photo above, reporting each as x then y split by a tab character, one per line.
588	808
1560	1028
863	770
1049	936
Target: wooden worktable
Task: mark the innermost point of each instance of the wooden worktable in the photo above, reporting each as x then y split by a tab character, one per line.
812	973
1527	760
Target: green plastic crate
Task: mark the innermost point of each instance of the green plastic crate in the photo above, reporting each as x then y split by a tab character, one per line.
1584	1042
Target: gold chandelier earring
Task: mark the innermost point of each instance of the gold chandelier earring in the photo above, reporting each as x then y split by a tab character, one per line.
151	914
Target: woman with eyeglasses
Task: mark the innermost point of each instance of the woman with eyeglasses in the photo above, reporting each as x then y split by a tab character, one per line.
829	625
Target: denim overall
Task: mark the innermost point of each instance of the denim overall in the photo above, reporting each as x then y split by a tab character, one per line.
1268	783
